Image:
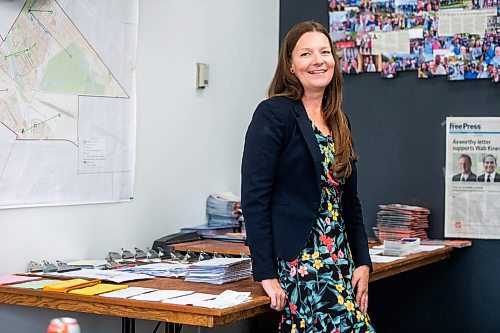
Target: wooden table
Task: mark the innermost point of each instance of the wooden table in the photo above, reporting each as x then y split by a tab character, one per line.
379	270
157	311
130	310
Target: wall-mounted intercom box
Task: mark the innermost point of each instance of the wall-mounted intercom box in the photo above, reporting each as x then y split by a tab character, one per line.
201	75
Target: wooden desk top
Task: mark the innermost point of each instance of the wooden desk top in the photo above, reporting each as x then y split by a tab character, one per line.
182	314
188	314
379	270
410	262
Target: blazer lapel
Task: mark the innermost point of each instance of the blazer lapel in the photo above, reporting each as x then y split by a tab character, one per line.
309	136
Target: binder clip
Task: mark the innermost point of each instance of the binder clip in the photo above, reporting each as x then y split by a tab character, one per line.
49	267
139	254
64	267
34	267
127	255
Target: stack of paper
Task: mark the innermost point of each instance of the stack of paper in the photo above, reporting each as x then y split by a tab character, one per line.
191	299
458	243
129	292
378	259
396	248
12	279
39	284
100	288
106	275
223	210
96	264
68	285
396	221
161	295
219	270
413	242
159	269
226	299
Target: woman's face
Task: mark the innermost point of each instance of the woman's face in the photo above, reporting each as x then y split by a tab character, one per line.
497	51
312	61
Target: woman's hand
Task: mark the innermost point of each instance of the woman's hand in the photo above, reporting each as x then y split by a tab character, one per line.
360	285
273	289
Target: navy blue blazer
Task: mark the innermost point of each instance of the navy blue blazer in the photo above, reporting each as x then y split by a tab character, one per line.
281	188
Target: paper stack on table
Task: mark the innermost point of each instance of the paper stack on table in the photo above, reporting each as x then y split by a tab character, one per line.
88	263
106	275
378	259
226	299
223	209
219	270
395	221
97	289
161	295
192	299
39	284
68	285
129	292
158	269
414	244
12	279
396	248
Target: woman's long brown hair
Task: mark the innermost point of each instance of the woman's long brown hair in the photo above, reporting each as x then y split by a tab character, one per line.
285	83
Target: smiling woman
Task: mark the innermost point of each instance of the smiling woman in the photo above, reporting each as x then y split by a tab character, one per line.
299	193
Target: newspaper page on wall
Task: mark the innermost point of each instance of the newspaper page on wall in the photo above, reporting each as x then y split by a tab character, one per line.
472	177
67	101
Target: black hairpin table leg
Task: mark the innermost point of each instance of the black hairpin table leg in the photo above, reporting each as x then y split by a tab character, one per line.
128	325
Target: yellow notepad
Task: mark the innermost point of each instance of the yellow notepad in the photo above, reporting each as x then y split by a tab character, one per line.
67	285
98	289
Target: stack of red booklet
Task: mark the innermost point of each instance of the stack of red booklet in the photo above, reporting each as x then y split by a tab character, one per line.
396	221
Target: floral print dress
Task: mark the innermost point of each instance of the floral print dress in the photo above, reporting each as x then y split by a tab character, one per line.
318	282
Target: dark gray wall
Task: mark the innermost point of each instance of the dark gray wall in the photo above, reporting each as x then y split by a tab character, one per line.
400	138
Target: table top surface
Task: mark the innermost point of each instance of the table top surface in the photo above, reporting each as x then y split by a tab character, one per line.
379	270
185	314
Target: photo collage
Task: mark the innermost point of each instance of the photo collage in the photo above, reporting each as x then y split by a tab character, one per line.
457	39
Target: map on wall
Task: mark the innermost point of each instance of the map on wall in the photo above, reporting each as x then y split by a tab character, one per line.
67	101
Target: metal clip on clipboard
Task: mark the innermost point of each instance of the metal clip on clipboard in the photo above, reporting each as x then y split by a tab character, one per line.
127	255
34	267
49	267
140	254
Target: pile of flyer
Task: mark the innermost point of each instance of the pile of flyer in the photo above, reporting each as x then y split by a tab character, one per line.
223	209
396	248
396	221
219	270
